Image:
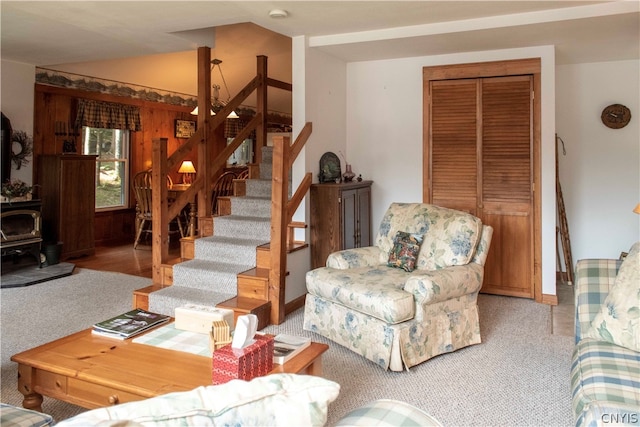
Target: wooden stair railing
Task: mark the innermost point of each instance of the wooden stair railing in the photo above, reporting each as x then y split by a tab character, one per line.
282	211
206	170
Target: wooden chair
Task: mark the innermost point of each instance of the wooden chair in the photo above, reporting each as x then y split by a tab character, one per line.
222	187
244	174
142	190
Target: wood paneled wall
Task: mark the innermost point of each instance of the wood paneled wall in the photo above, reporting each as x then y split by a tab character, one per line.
54	106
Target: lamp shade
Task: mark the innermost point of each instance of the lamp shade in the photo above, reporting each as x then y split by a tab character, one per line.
187	167
194	112
637	209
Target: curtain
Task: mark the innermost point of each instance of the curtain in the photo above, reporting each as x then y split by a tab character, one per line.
107	115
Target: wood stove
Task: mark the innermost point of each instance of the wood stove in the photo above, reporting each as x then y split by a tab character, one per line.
20	224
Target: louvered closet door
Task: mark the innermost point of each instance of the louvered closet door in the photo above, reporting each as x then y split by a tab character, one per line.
479	160
454	140
507	203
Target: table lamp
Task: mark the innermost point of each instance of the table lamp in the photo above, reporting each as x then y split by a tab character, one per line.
637	209
187	170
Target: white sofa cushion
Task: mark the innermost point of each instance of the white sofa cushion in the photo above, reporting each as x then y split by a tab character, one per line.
376	291
450	236
278	399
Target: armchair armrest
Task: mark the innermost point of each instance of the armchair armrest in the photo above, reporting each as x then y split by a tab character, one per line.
429	287
368	256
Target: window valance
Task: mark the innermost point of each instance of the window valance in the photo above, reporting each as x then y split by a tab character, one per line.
107	115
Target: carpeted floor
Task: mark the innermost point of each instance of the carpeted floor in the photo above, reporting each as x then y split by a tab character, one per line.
518	376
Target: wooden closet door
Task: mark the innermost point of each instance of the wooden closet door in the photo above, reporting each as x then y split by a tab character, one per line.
453	151
506	190
479	161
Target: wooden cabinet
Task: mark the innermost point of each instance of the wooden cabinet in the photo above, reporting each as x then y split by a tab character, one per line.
67	188
340	218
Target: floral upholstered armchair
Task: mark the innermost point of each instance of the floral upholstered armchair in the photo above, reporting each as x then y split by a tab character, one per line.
410	297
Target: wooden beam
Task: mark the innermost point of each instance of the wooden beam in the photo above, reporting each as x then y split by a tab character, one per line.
299	142
261	105
204	144
279	84
296	199
278	249
159	215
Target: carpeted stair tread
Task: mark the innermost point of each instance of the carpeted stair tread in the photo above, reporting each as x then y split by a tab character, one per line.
243	227
257	206
258	188
231	250
165	301
205	274
227	249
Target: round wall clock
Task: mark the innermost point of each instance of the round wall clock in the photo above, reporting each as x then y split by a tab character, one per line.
616	116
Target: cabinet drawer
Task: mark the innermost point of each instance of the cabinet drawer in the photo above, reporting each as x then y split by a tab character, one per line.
97	396
50	384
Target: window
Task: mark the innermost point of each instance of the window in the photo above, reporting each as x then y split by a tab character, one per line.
111	146
243	154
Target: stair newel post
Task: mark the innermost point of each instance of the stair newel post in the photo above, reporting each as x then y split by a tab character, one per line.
278	248
160	240
261	106
204	146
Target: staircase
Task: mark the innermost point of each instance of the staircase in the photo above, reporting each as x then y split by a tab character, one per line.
211	277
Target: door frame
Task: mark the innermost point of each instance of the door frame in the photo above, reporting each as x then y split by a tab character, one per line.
529	66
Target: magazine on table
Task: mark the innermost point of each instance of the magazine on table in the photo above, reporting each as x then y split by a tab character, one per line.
129	324
287	346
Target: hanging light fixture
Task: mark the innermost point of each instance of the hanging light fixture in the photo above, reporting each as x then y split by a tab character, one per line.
216	102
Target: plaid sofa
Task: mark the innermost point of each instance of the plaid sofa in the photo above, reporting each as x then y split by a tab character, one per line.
605	378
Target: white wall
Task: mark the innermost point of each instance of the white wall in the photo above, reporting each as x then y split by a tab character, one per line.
319	93
16	102
600	174
384	132
319	97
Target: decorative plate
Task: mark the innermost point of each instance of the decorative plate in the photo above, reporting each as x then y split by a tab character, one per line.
329	168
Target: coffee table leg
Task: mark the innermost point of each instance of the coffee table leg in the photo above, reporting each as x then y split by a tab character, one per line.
32	400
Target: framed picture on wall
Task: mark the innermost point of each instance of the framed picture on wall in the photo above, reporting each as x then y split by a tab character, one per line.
185	128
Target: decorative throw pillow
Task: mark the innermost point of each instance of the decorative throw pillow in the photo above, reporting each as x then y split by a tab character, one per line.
618	321
405	250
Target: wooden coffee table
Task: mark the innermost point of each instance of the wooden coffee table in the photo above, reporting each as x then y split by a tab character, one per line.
92	371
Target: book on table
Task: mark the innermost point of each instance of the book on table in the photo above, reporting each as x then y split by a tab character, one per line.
129	324
287	346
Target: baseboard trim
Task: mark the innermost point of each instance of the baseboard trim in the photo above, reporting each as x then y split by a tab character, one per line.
294	304
550	299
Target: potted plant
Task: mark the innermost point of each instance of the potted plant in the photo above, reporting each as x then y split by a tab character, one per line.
16	191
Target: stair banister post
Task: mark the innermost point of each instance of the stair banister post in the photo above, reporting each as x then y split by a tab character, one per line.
159	208
261	106
278	247
204	147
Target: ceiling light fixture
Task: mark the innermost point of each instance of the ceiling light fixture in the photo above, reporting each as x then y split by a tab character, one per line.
216	102
278	13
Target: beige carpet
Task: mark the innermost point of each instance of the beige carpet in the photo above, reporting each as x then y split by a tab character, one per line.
518	376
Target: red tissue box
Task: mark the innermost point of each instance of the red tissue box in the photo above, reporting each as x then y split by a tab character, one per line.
243	363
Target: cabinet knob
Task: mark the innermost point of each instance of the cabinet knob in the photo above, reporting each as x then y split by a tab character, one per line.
113	399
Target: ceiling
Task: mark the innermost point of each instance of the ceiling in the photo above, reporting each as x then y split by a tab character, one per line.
58	32
66	35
